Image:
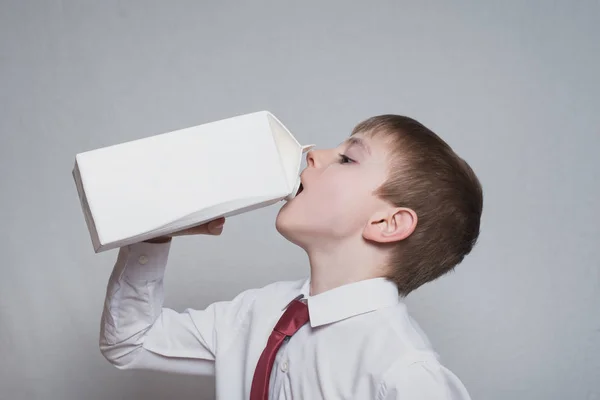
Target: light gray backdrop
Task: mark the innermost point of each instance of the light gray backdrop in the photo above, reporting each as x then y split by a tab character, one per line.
514	86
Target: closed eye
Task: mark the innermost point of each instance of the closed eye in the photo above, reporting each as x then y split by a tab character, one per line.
345	159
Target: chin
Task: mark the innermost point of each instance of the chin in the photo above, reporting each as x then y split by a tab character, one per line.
291	228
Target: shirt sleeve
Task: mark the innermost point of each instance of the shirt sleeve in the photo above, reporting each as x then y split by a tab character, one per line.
137	332
422	380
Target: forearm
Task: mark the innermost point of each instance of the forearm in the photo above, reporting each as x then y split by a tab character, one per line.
134	300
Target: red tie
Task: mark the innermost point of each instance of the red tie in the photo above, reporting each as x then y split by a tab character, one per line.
292	319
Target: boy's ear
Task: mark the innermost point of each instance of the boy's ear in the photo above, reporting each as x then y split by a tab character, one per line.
391	225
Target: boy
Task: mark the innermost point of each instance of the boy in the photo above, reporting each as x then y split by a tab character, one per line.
390	209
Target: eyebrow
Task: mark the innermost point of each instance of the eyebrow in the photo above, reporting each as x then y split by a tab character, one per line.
354	141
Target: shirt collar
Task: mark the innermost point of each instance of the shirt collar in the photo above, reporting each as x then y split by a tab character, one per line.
349	300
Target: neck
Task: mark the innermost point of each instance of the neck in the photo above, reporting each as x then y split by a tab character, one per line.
334	265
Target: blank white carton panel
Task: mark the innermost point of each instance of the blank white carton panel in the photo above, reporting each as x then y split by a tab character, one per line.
158	185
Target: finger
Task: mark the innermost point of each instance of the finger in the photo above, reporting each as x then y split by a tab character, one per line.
216	227
212	228
194	230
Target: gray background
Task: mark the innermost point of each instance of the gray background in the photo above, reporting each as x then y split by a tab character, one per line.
513	86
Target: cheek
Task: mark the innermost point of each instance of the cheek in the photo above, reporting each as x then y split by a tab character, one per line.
334	201
337	196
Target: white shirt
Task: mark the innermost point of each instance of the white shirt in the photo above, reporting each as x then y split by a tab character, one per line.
360	342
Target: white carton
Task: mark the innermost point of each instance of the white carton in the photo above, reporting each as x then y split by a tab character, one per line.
158	185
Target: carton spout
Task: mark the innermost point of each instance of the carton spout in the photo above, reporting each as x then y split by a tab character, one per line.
294	192
298	182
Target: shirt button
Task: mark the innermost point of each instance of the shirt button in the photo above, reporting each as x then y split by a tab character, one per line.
284	366
143	260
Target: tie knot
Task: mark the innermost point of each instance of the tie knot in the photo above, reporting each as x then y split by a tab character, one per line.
293	318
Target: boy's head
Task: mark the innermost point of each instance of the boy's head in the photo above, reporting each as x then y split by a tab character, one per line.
394	185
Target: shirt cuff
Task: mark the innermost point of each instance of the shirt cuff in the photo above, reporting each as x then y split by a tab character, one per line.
146	261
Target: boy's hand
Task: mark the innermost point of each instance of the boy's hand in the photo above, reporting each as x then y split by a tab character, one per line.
214	228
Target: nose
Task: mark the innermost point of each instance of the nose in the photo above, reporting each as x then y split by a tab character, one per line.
310	159
317	158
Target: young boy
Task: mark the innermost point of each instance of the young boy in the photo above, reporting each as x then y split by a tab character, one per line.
390	209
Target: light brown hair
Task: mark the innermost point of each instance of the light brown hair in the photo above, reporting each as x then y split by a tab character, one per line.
427	176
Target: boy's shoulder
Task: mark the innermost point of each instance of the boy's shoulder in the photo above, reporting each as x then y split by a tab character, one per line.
280	291
271	296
